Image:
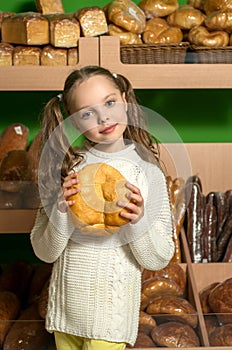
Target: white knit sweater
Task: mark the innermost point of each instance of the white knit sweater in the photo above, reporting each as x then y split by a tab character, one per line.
95	288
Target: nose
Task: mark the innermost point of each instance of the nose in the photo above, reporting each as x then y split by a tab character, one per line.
103	116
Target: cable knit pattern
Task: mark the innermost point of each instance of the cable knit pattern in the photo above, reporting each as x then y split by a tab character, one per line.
95	291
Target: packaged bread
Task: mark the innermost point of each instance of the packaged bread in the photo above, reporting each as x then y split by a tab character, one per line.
53	56
27	28
49	6
6	54
173	308
125	37
72	56
127	15
92	21
64	30
14	137
158	8
221	336
175	335
95	208
217	5
201	36
220	20
186	17
26	56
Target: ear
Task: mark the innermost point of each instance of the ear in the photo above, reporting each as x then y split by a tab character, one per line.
124	100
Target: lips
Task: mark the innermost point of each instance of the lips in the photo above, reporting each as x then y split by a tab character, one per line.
108	129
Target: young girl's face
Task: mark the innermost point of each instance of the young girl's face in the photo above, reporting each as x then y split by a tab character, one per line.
99	112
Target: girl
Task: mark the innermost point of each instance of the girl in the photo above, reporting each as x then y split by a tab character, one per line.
95	287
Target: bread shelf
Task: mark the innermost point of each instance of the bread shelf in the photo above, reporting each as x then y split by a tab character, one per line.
47	78
164	76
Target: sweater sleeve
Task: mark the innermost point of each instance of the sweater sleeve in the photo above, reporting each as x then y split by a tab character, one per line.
50	235
155	247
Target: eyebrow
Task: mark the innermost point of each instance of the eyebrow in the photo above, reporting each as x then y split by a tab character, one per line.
105	98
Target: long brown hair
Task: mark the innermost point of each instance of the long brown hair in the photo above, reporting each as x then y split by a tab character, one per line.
60	156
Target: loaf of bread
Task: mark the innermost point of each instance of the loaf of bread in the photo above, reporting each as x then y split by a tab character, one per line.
186	17
27	28
92	21
9	310
6	54
200	36
4	14
146	323
160	285
95	208
26	56
221	336
127	15
175	335
72	56
158	8
49	6
64	30
171	35
125	37
53	56
14	137
220	300
220	20
173	308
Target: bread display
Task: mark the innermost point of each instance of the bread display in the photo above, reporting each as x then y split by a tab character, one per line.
6	53
127	15
175	335
186	17
53	56
26	56
158	8
95	208
92	21
64	30
49	6
126	38
27	28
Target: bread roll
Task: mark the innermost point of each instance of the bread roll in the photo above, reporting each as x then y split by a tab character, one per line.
126	38
158	8
173	308
26	56
197	4
146	323
220	300
14	137
186	17
27	28
158	31
175	335
6	54
49	6
160	285
92	21
53	56
221	336
217	5
127	15
200	36
95	208
220	20
64	30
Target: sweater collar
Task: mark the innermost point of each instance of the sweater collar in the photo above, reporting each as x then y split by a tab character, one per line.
107	155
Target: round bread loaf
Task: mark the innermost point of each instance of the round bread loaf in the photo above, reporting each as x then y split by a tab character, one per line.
146	323
221	336
95	208
175	335
220	301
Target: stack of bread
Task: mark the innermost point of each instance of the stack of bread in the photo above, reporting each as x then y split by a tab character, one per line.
18	168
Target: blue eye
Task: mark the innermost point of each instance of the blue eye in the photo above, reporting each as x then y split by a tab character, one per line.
110	103
86	115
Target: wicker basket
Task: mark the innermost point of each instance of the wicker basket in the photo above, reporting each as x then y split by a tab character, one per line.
202	54
153	53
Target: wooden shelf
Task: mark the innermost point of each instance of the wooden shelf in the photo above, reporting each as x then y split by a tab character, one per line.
17	220
164	76
47	78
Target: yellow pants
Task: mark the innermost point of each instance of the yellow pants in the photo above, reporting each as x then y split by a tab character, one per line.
71	342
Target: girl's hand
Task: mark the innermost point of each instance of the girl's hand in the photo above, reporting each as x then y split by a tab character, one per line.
135	204
67	191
